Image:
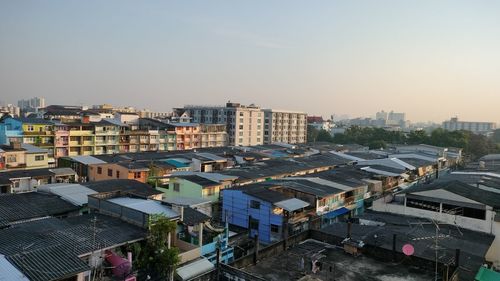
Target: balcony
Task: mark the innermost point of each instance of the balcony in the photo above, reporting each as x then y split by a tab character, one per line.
81	133
38	133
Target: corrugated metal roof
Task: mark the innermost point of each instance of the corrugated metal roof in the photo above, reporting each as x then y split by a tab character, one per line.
187	201
292	204
146	206
194	269
63	172
87	160
10	273
74	193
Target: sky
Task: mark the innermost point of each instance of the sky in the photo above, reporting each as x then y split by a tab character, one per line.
431	59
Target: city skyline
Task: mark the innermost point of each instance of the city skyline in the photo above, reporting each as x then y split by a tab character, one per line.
432	60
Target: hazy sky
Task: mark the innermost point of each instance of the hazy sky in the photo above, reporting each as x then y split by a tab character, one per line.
431	59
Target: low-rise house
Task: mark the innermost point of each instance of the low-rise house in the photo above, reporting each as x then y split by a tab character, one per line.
331	200
28	180
192	186
138	171
18	156
67	248
79	164
265	212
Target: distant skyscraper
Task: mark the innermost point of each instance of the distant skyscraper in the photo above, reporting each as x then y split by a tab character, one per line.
32	104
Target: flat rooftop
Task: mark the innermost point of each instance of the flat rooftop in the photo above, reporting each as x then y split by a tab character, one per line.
288	266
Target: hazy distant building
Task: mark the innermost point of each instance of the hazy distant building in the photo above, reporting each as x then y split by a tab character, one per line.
476	127
11	110
284	126
318	123
32	104
390	119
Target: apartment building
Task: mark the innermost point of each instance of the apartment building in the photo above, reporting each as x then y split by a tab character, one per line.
244	124
92	135
213	135
284	126
476	127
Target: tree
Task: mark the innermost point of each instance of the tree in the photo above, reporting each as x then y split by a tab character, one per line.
324	136
156	258
312	134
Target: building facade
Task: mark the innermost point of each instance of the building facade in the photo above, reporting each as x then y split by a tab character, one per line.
284	126
476	127
244	124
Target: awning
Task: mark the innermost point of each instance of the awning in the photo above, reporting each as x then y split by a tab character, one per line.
336	213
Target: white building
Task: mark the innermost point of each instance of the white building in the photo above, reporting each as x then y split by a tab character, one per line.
284	126
244	124
476	127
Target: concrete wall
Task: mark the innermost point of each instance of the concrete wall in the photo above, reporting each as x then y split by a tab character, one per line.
468	223
188	252
31	161
489	225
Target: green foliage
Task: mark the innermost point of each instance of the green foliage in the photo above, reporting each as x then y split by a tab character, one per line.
375	138
314	135
155	258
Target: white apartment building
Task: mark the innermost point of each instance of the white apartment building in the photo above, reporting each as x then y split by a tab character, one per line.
244	124
284	126
476	127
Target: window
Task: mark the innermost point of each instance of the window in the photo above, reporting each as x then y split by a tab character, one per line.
30	128
254	204
11	158
137	175
254	224
177	187
275	228
99	170
241	127
117	174
210	191
39	157
110	173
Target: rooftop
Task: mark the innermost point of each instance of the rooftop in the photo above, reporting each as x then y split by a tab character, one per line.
420	233
202	181
48	249
150	207
295	264
29	205
130	186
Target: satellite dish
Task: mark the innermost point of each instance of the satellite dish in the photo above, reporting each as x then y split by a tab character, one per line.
408	249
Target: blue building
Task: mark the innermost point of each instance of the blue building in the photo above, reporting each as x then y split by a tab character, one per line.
264	212
11	129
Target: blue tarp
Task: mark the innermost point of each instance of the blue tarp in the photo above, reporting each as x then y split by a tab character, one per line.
336	213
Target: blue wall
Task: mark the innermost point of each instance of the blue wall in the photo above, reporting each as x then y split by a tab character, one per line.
10	128
236	205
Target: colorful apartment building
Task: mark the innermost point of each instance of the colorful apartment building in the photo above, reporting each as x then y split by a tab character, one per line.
94	136
187	135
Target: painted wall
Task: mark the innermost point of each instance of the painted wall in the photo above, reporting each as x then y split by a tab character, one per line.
186	189
236	207
33	162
